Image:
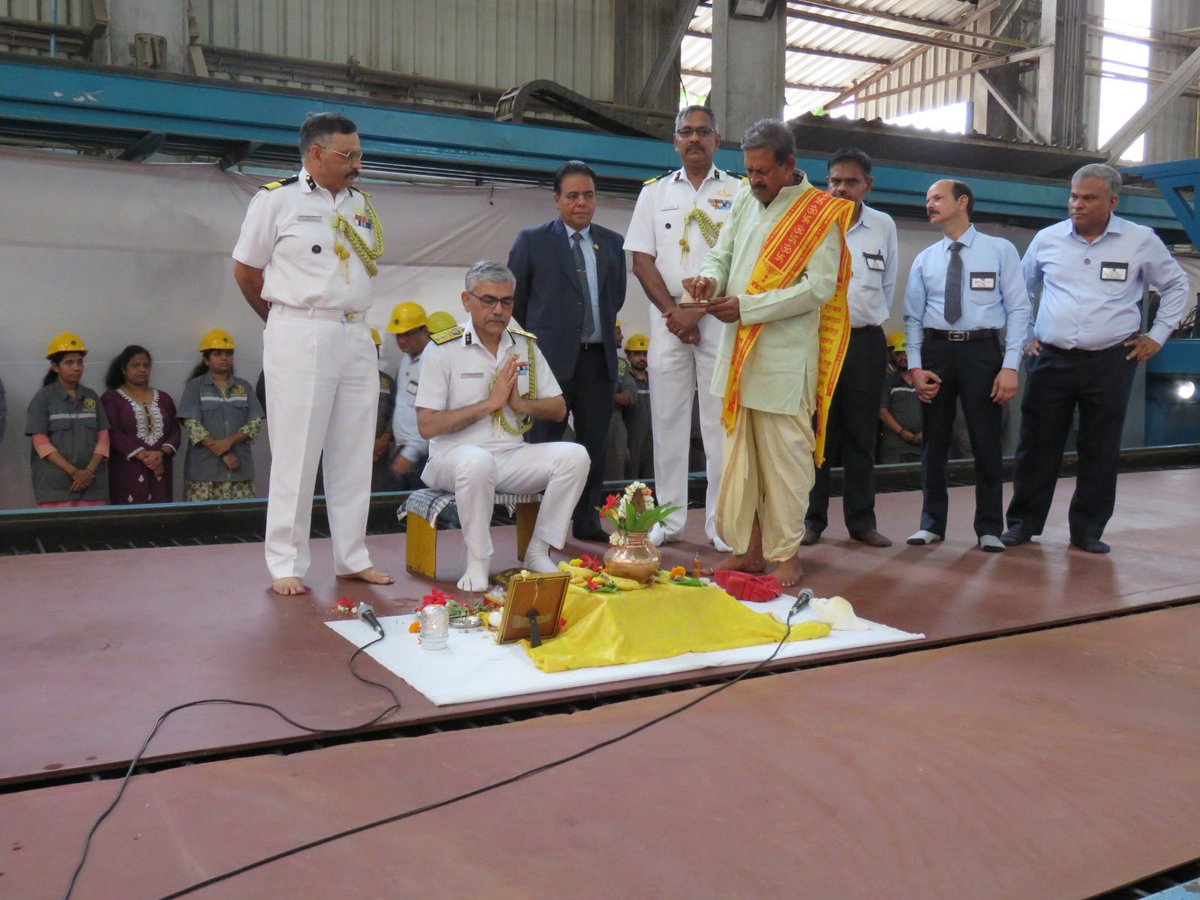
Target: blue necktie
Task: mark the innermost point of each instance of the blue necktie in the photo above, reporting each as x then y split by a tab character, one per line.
589	321
953	310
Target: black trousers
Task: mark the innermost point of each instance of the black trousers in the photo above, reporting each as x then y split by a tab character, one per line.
851	433
589	397
967	369
1058	382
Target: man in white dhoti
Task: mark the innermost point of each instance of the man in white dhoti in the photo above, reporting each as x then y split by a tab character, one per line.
778	260
483	383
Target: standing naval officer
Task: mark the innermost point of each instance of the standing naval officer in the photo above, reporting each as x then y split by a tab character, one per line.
853	425
304	260
961	292
1092	270
570	285
676	221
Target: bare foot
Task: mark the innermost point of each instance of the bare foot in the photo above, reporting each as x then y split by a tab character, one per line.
288	587
789	572
743	562
371	576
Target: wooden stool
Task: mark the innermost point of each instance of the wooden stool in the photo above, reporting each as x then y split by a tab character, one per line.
422	508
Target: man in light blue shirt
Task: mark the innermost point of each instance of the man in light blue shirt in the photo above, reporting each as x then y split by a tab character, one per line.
962	292
853	426
1086	345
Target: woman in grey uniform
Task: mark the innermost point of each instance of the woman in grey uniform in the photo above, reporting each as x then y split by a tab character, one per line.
221	417
69	432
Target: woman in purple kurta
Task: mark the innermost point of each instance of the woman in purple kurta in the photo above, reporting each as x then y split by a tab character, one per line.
143	431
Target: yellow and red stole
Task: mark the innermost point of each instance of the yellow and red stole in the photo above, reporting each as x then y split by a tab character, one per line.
783	257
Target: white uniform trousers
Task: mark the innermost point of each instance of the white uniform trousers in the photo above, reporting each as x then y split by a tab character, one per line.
768	473
676	369
560	469
322	395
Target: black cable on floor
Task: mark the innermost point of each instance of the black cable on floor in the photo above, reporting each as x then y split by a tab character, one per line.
228	702
512	779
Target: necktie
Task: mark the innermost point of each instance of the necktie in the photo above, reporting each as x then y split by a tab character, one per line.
589	321
953	310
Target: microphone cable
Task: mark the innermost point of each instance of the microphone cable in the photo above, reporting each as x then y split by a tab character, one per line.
804	597
217	701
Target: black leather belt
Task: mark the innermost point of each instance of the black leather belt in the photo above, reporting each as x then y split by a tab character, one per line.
978	334
867	328
595	345
1075	351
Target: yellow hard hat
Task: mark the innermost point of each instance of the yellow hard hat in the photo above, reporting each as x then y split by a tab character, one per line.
65	343
406	317
895	342
638	343
375	336
217	339
440	321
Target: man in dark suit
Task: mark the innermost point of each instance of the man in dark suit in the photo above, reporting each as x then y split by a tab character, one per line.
570	286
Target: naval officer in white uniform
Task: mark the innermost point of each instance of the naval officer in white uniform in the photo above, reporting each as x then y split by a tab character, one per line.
304	260
676	221
483	383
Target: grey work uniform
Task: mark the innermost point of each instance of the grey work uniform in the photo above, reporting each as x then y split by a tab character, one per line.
222	415
73	425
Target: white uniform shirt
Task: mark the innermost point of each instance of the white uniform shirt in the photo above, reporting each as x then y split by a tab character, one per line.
461	372
408	438
288	233
657	224
874	260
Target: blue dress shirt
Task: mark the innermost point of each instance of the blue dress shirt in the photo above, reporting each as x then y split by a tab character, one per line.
1090	292
589	265
993	293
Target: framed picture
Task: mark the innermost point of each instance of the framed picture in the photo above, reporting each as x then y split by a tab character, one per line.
535	598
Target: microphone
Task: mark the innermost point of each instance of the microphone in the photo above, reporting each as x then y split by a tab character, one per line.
801	601
366	613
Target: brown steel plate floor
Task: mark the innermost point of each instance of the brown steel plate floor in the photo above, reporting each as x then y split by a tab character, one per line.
1054	764
94	646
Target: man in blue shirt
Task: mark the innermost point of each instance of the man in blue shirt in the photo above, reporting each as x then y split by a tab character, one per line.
1086	345
962	291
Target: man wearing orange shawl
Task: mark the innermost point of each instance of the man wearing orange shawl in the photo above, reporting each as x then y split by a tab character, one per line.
780	258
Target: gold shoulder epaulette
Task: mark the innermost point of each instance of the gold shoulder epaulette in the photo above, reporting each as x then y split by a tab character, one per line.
449	334
280	183
513	329
658	177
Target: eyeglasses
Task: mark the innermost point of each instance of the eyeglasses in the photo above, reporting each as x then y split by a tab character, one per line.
686	133
491	302
352	157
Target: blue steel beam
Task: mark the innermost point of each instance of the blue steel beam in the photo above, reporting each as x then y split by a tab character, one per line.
228	115
1174	179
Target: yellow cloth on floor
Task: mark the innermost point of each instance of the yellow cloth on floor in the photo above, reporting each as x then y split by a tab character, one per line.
658	622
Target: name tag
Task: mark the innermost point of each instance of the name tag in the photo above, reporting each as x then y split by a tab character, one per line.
1114	271
470	375
669	207
310	218
983	281
874	261
412	388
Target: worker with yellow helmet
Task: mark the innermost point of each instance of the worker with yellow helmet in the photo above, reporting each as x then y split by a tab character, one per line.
221	417
638	415
69	432
411	327
900	434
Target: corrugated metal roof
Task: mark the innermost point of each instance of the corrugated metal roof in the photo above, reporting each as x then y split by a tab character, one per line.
818	78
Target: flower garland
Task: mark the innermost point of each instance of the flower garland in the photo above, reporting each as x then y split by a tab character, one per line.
368	255
524	423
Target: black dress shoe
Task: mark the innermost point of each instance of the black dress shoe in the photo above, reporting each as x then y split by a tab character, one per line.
590	532
1091	545
811	536
1014	537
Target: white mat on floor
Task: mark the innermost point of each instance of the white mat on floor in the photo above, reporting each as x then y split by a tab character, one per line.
474	667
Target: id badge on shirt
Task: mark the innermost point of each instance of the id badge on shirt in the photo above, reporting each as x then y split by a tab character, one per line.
1114	271
983	281
875	261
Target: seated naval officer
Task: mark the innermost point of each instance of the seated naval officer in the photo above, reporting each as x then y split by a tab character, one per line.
483	383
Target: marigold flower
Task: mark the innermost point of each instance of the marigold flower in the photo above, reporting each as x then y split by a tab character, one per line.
677	572
414	627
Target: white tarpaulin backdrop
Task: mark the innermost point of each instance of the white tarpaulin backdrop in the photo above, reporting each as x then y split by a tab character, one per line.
124	253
